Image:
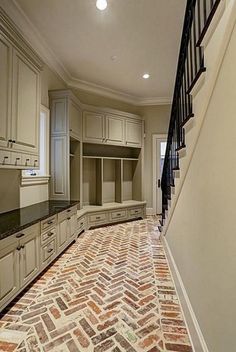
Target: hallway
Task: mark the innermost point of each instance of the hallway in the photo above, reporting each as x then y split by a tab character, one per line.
110	291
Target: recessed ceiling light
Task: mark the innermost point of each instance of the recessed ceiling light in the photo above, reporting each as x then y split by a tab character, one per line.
146	75
101	4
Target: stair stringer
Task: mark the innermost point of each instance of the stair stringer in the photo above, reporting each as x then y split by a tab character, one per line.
215	44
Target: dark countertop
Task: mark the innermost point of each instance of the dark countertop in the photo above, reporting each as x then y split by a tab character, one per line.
19	219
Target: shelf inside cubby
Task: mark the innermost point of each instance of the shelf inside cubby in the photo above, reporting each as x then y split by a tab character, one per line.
110	151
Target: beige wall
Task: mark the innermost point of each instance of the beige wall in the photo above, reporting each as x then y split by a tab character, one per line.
202	233
156	122
9	189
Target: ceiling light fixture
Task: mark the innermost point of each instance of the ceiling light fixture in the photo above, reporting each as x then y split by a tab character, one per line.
146	75
101	4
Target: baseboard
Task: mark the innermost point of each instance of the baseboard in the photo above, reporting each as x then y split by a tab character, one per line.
150	211
197	338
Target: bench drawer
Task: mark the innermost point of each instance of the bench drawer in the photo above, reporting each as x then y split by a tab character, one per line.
136	212
97	218
118	214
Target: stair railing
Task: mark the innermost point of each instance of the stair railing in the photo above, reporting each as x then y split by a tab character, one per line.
198	16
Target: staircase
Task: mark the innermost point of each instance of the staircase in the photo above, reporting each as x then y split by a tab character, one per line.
206	22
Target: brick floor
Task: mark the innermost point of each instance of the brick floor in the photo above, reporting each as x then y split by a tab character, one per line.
110	291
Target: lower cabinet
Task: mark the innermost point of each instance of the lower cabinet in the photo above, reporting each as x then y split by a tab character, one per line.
29	255
19	262
67	224
9	272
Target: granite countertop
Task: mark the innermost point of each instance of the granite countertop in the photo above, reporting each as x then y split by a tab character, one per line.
19	219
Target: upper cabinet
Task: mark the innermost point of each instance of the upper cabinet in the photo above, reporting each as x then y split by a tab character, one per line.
133	133
19	98
93	127
109	128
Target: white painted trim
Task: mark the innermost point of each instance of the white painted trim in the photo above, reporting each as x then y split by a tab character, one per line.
149	211
37	41
182	295
155	137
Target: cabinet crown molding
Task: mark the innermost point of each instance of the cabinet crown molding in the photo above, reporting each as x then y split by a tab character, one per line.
10	30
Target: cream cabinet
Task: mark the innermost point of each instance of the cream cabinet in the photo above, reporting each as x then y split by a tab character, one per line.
29	254
25	104
93	127
115	130
108	128
9	270
19	99
133	133
67	224
66	145
5	90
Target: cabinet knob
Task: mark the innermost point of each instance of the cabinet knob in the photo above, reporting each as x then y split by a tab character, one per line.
50	234
18	248
50	222
22	247
68	218
50	250
19	235
13	141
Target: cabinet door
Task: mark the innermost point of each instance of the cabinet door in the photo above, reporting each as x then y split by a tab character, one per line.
115	131
75	120
62	234
93	127
72	225
29	255
133	133
60	179
5	90
25	104
9	273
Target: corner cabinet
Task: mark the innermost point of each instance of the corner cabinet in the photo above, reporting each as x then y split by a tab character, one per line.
19	99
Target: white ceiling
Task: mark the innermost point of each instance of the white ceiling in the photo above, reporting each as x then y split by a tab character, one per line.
143	34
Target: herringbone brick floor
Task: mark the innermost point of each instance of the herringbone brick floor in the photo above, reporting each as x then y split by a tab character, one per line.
110	291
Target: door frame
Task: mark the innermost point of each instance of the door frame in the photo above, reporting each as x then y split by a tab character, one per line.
155	137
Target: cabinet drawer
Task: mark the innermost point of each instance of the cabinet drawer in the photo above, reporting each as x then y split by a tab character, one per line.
5	157
48	250
81	223
118	214
101	217
136	212
48	235
67	213
16	159
49	222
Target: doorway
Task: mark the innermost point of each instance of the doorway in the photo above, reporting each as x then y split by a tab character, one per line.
159	149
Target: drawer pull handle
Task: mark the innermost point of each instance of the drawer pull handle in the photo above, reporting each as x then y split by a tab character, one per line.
27	160
68	210
17	158
68	218
13	141
22	247
98	217
50	250
5	157
18	248
50	222
19	235
119	214
50	234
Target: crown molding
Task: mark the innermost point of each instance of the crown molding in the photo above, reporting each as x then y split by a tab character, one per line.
35	39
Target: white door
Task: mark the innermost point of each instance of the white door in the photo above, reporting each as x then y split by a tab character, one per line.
159	148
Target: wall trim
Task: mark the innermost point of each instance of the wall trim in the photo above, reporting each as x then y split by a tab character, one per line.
150	211
197	338
37	41
155	137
